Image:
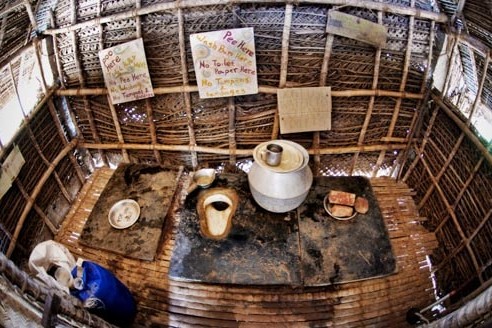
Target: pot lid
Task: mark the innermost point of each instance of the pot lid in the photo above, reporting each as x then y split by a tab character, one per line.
291	160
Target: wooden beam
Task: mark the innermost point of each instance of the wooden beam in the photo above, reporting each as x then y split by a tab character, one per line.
183	4
284	63
186	93
232	130
261	89
241	152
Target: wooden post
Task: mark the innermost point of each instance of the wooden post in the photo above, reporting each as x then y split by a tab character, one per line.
38	63
148	104
186	95
322	82
396	111
416	124
422	146
284	63
87	105
232	131
367	119
57	56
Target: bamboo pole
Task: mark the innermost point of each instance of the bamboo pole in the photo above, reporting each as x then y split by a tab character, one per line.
472	42
33	112
466	185
461	137
396	111
148	104
153	135
454	218
30	13
463	126
63	138
420	150
416	124
2	30
232	131
186	94
478	98
35	193
34	142
112	109
240	152
38	210
322	82
183	4
38	63
367	119
57	56
284	64
443	170
261	89
449	69
465	243
117	127
80	73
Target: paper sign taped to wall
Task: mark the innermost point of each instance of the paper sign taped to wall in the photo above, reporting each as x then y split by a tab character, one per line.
10	169
225	62
126	72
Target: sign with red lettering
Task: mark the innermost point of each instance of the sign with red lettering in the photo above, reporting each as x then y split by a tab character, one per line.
225	62
125	72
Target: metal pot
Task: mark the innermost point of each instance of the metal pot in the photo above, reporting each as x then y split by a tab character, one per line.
282	187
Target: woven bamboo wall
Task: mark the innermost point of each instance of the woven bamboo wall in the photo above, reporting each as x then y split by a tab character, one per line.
451	173
292	50
378	105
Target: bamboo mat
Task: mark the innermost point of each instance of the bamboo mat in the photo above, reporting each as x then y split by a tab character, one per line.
162	302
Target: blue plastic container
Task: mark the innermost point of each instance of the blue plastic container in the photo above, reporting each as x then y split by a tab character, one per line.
103	294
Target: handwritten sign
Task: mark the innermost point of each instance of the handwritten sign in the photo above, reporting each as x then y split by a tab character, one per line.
125	72
225	62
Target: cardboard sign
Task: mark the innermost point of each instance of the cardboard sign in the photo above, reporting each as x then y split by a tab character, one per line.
304	109
125	72
225	62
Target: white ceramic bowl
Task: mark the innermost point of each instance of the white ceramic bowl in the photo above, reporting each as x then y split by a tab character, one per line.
124	214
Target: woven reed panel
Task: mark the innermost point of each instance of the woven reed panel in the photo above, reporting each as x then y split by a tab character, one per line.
170	119
211	121
306	45
163	54
254	119
88	38
15	27
479	20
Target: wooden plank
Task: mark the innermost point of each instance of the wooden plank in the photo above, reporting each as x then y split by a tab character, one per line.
354	27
